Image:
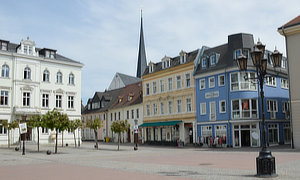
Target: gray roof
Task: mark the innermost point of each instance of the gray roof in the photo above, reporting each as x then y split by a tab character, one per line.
142	61
190	56
126	79
12	47
226	60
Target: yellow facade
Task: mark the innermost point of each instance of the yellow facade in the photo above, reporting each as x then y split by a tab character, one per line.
171	104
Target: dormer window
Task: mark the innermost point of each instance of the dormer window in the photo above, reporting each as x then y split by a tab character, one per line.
237	53
213	60
27	47
165	62
120	99
182	57
50	54
4	45
204	62
129	98
151	67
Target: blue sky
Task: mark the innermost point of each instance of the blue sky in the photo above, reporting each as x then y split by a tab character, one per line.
104	35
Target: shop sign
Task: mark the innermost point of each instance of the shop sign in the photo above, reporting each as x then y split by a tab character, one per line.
214	94
23	128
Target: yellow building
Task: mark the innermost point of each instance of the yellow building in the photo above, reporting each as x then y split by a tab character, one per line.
169	100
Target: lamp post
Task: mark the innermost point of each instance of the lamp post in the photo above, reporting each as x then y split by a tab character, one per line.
23	134
136	134
265	162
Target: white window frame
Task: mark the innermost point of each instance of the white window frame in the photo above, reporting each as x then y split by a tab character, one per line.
154	87
187	80
213	60
59	77
202	82
209	82
241	110
45	100
26	99
188	104
203	108
220	106
58	101
179	106
271	81
170	83
274	110
162	108
71	102
219	80
27	73
154	106
235	56
147	89
178	82
5	71
4	97
204	62
71	79
211	117
170	107
284	83
148	111
162	85
252	84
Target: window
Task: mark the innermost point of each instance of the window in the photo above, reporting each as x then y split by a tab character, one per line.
220	130
202	84
188	105
147	89
287	133
26	98
46	75
162	85
206	131
25	49
221	80
45	100
162	108
132	114
119	115
154	88
211	82
237	53
5	71
204	63
202	108
4	98
284	83
154	109
71	102
273	133
148	109
71	79
170	107
212	108
283	62
4	45
272	108
50	54
151	68
170	84
178	82
179	106
128	114
243	81
58	101
3	130
27	73
163	133
222	106
213	60
286	109
45	130
187	80
59	77
137	113
115	116
244	108
111	116
271	81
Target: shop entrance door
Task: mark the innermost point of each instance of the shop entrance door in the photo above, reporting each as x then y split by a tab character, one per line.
245	138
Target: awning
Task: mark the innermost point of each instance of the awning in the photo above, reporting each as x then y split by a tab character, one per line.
164	123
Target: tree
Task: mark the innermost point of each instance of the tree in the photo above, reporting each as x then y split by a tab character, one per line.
95	125
119	127
55	120
64	124
73	126
9	127
36	122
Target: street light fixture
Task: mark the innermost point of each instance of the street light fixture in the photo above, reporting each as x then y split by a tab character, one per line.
265	162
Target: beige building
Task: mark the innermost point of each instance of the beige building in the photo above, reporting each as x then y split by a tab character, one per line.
291	32
169	100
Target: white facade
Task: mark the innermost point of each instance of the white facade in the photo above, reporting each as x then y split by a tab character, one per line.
27	91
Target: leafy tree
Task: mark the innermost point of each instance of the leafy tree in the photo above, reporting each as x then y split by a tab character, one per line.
55	120
75	125
64	124
95	125
9	127
119	127
36	122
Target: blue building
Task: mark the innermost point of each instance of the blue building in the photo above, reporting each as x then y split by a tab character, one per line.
228	101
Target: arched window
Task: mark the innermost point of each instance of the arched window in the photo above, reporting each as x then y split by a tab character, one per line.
46	75
5	71
71	78
59	77
27	73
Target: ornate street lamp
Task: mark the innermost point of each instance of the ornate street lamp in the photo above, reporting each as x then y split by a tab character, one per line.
265	162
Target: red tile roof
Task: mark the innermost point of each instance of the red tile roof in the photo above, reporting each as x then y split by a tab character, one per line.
293	22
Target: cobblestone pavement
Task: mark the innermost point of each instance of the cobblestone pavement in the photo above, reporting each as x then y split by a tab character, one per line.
148	163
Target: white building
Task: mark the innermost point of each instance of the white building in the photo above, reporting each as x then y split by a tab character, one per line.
34	81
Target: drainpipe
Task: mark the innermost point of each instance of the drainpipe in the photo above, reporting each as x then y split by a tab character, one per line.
229	139
291	112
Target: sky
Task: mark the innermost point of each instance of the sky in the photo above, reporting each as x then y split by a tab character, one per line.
104	34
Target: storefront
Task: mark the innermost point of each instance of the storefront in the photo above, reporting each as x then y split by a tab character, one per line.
246	134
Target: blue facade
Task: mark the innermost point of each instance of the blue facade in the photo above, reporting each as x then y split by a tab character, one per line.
238	120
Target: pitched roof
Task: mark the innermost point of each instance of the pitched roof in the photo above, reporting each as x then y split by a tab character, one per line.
293	22
126	79
133	90
12	47
190	56
142	61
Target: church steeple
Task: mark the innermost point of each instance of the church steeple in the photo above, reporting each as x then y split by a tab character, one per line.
142	62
